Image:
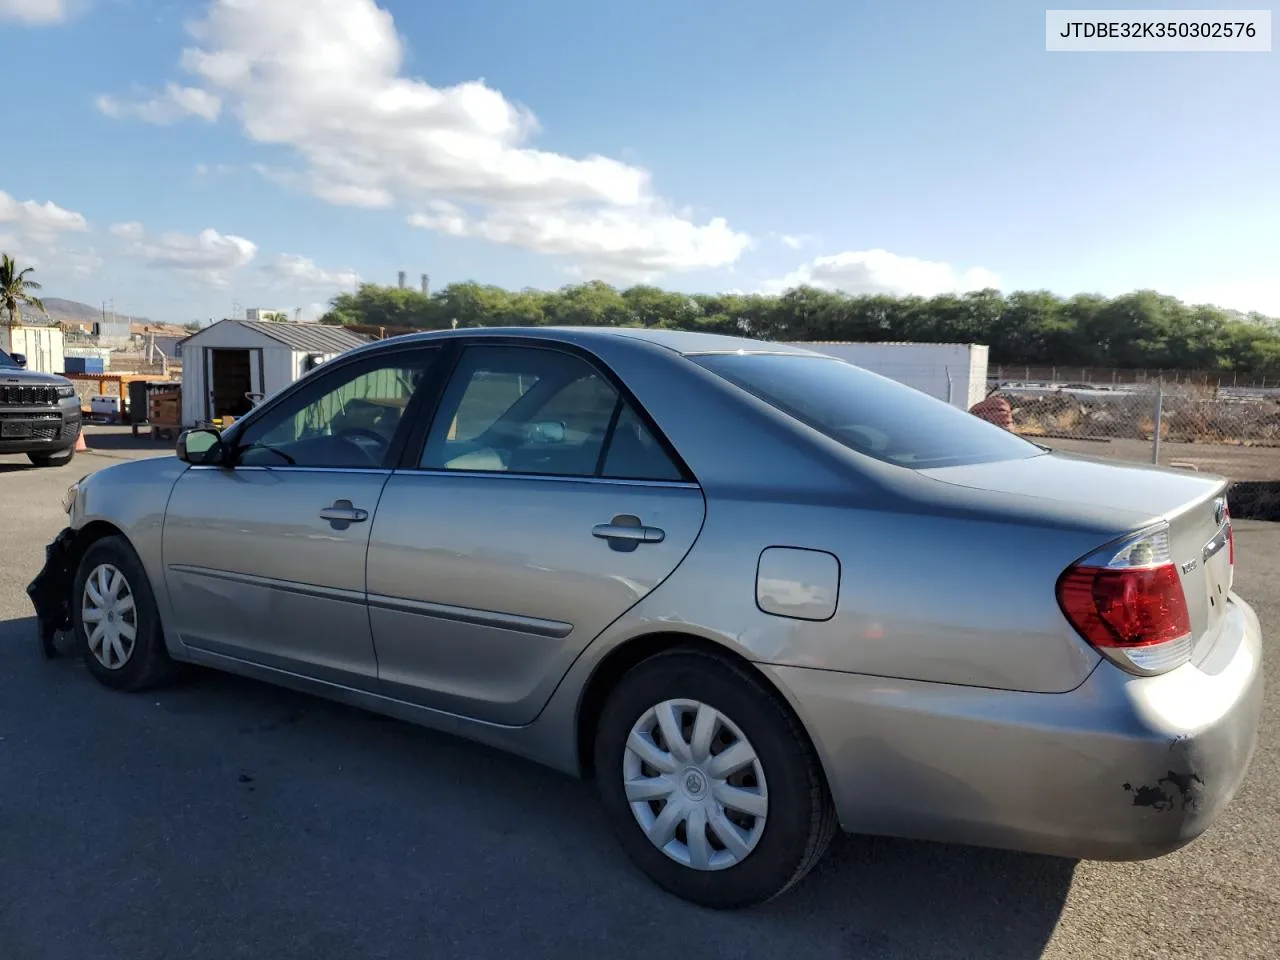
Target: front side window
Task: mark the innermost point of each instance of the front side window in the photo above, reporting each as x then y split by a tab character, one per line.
535	411
346	419
869	413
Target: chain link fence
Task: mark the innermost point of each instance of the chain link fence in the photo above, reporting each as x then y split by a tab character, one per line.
1193	425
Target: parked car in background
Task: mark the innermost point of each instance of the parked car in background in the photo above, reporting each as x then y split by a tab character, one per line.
755	592
39	414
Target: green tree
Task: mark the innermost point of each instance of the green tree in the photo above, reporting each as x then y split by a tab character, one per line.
16	291
591	304
379	306
1138	329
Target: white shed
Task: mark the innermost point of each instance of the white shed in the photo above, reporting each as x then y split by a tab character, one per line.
41	345
954	372
230	360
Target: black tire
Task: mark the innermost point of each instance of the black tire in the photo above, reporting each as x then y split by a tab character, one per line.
59	459
148	663
801	817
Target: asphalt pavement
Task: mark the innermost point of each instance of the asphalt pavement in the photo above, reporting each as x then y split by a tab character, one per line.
225	819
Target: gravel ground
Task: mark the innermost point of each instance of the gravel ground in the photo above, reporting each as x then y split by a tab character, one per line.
226	819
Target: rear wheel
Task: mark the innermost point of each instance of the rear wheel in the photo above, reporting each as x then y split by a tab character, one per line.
710	784
59	459
116	622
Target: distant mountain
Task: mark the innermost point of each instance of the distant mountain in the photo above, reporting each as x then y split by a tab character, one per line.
72	311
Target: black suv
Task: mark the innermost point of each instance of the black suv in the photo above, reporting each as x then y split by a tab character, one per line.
39	414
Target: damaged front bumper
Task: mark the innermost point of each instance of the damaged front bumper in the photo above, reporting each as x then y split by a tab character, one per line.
50	591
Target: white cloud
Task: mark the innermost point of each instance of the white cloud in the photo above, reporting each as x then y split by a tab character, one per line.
127	231
208	256
38	222
794	241
33	11
303	273
174	104
33	233
608	243
323	77
81	264
878	271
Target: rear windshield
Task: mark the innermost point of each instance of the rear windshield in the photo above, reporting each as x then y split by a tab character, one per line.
869	413
7	361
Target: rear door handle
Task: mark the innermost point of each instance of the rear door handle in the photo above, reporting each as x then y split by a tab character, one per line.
343	511
627	529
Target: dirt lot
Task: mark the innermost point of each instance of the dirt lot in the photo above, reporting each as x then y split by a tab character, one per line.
1235	462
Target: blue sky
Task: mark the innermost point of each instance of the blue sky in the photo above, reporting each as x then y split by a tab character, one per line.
182	156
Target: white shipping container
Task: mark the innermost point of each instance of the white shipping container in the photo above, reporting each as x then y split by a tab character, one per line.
953	372
42	346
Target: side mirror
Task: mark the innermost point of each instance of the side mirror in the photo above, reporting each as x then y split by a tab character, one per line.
547	431
201	447
20	359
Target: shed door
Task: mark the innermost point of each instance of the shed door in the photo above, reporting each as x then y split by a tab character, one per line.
232	375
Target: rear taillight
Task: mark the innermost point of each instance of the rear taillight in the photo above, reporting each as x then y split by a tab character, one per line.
1126	600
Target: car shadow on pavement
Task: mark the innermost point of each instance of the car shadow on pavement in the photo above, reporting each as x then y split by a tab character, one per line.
484	854
117	439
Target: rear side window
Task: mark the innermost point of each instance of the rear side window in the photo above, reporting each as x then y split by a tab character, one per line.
868	413
526	410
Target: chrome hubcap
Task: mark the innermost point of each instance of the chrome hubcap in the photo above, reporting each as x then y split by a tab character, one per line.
695	785
110	617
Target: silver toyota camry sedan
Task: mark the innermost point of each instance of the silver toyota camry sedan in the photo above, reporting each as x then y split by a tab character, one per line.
754	592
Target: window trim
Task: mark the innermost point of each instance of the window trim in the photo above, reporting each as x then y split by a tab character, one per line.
410	460
312	387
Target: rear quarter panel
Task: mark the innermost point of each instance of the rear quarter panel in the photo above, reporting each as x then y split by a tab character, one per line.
922	596
938	581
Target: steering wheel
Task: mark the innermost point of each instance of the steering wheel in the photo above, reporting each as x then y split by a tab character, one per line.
354	435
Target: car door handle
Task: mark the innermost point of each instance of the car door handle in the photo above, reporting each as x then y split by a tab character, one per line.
634	532
343	511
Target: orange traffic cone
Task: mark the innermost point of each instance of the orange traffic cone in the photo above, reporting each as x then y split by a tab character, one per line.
81	446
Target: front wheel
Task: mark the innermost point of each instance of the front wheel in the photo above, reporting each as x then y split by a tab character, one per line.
115	618
710	784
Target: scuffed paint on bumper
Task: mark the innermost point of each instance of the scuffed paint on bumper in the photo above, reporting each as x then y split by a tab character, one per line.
1121	768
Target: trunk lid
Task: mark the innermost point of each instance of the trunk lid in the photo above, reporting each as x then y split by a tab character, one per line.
1193	504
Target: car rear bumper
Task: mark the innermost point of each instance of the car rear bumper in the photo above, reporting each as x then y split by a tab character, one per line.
1121	768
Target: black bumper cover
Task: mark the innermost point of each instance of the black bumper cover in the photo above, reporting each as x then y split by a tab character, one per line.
50	591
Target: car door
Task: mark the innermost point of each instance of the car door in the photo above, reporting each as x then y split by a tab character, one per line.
542	507
265	559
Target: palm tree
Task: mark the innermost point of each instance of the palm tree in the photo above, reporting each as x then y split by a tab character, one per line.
16	290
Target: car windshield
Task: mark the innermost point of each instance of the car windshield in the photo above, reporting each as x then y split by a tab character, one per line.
7	361
869	413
